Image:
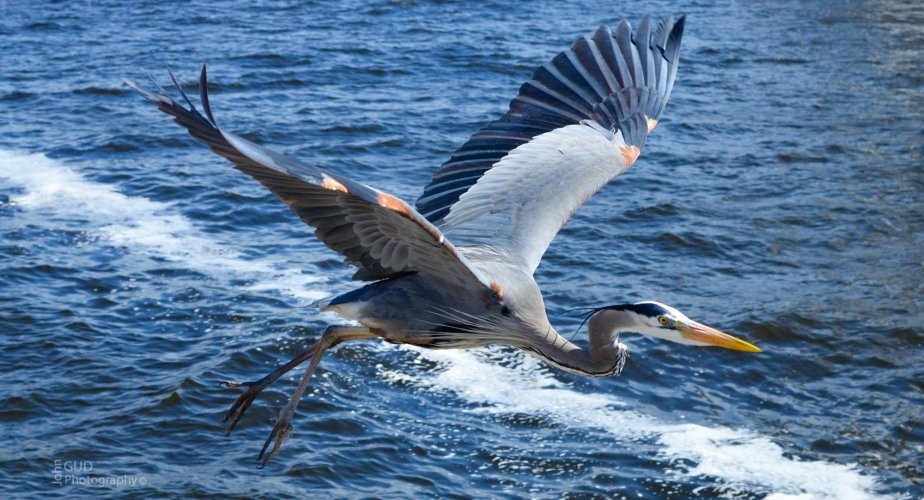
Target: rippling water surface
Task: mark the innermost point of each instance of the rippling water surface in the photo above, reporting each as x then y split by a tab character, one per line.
780	199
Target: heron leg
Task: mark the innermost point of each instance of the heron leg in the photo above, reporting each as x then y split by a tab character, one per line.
243	402
332	336
246	399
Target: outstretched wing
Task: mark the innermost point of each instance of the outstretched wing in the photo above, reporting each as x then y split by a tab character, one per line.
580	121
376	232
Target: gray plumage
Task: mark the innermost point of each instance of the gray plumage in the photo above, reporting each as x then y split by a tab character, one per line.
457	270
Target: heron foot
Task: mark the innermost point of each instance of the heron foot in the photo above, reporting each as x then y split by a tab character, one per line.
246	399
280	432
242	403
283	427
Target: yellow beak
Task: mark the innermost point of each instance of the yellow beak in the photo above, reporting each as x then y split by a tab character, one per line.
710	336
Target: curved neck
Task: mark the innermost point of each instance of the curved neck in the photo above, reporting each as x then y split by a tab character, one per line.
600	360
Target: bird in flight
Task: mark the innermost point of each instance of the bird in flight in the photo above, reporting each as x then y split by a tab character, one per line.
455	270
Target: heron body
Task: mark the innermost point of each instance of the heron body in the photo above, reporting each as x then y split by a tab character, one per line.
456	270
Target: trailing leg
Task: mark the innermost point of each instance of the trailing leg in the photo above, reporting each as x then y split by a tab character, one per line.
332	336
244	401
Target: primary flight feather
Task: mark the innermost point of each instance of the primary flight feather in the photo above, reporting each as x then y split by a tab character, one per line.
456	269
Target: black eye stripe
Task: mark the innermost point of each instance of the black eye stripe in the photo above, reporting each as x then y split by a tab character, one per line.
645	309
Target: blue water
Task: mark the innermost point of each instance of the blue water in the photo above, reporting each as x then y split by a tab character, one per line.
780	199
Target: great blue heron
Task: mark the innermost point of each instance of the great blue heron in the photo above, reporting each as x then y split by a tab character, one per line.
456	271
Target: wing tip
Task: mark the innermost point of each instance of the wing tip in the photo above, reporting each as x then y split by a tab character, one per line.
170	105
147	94
204	94
639	84
673	40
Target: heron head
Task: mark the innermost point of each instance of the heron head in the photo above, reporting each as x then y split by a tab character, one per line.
662	321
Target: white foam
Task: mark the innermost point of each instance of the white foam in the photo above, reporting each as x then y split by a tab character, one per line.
735	458
64	197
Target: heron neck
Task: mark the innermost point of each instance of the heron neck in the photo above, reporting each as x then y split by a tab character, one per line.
598	361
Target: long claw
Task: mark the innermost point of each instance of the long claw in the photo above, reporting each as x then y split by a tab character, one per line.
246	399
242	403
280	432
237	418
283	427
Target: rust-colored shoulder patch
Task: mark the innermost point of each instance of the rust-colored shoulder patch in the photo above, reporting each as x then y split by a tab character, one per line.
652	123
333	185
390	202
630	153
498	290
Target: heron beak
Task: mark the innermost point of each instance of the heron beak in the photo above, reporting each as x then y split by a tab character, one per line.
710	336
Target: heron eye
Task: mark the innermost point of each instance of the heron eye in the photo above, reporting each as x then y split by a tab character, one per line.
663	320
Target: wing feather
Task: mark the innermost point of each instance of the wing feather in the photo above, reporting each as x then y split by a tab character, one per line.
517	207
607	77
378	233
580	121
